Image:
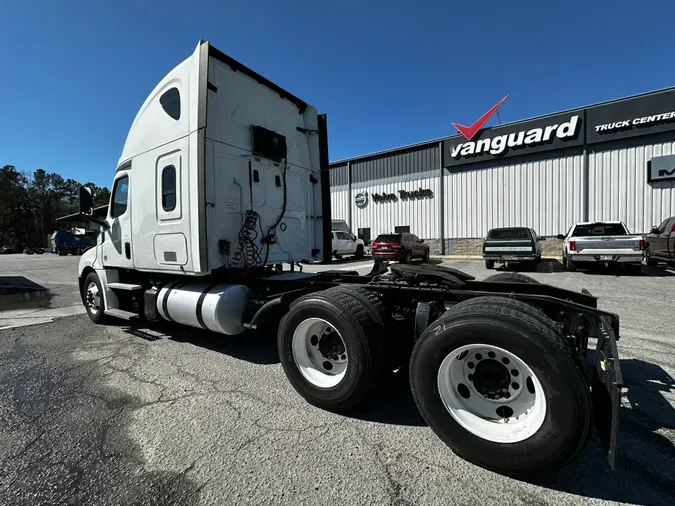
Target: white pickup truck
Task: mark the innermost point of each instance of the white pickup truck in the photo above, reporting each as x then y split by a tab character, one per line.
345	244
601	243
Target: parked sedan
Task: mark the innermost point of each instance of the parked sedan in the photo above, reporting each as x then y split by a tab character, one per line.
400	247
518	245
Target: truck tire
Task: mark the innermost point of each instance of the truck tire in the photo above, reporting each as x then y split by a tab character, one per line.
359	251
569	265
511	277
93	299
651	262
489	264
479	354
349	323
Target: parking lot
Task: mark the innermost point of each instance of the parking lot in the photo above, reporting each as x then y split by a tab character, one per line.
165	415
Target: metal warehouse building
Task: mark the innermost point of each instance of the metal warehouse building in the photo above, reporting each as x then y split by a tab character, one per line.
609	161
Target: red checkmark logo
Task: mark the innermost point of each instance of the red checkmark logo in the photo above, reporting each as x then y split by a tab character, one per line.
470	131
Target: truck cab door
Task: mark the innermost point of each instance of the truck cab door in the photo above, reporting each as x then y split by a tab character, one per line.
335	244
656	243
665	239
116	245
343	243
670	240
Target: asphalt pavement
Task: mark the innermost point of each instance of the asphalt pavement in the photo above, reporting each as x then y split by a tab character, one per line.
113	415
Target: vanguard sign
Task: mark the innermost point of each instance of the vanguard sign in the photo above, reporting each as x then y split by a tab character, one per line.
543	134
499	144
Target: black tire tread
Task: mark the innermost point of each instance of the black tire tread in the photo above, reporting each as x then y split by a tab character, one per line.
366	310
511	277
101	318
525	315
368	298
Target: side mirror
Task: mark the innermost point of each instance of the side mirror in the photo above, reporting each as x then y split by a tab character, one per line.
421	241
560	236
541	238
655	230
86	201
87	207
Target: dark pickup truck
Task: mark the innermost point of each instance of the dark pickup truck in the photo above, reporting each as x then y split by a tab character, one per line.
512	245
660	243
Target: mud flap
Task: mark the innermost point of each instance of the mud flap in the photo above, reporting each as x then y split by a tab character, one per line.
606	390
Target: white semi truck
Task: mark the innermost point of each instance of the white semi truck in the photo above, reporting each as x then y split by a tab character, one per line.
222	189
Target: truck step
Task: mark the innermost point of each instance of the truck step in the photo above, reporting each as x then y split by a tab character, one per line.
120	313
124	286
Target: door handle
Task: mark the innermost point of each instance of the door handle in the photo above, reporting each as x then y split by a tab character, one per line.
127	250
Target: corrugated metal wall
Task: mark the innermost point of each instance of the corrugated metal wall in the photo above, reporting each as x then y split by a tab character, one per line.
339	205
546	195
618	187
339	175
420	159
421	215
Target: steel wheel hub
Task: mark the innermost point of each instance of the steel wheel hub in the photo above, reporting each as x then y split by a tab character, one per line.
319	352
492	393
93	298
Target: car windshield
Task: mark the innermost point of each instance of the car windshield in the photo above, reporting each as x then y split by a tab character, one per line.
388	238
599	229
509	233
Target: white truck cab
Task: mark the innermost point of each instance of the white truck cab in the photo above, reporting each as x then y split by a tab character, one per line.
221	169
224	181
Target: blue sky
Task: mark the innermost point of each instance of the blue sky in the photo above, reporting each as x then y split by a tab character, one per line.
387	73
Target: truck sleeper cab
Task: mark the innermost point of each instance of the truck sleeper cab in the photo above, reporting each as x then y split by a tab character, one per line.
223	180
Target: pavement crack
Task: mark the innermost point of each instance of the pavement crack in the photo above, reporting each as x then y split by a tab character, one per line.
394	487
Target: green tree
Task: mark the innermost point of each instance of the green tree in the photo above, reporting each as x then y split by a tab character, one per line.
31	203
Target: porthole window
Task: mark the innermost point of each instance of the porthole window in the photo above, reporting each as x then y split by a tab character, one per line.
170	102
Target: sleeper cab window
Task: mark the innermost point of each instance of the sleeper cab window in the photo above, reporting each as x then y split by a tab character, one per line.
120	196
169	188
170	102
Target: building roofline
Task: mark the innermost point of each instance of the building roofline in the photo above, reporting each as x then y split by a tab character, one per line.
447	137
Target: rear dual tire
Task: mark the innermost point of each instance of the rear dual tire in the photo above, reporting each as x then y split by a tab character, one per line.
560	424
331	346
